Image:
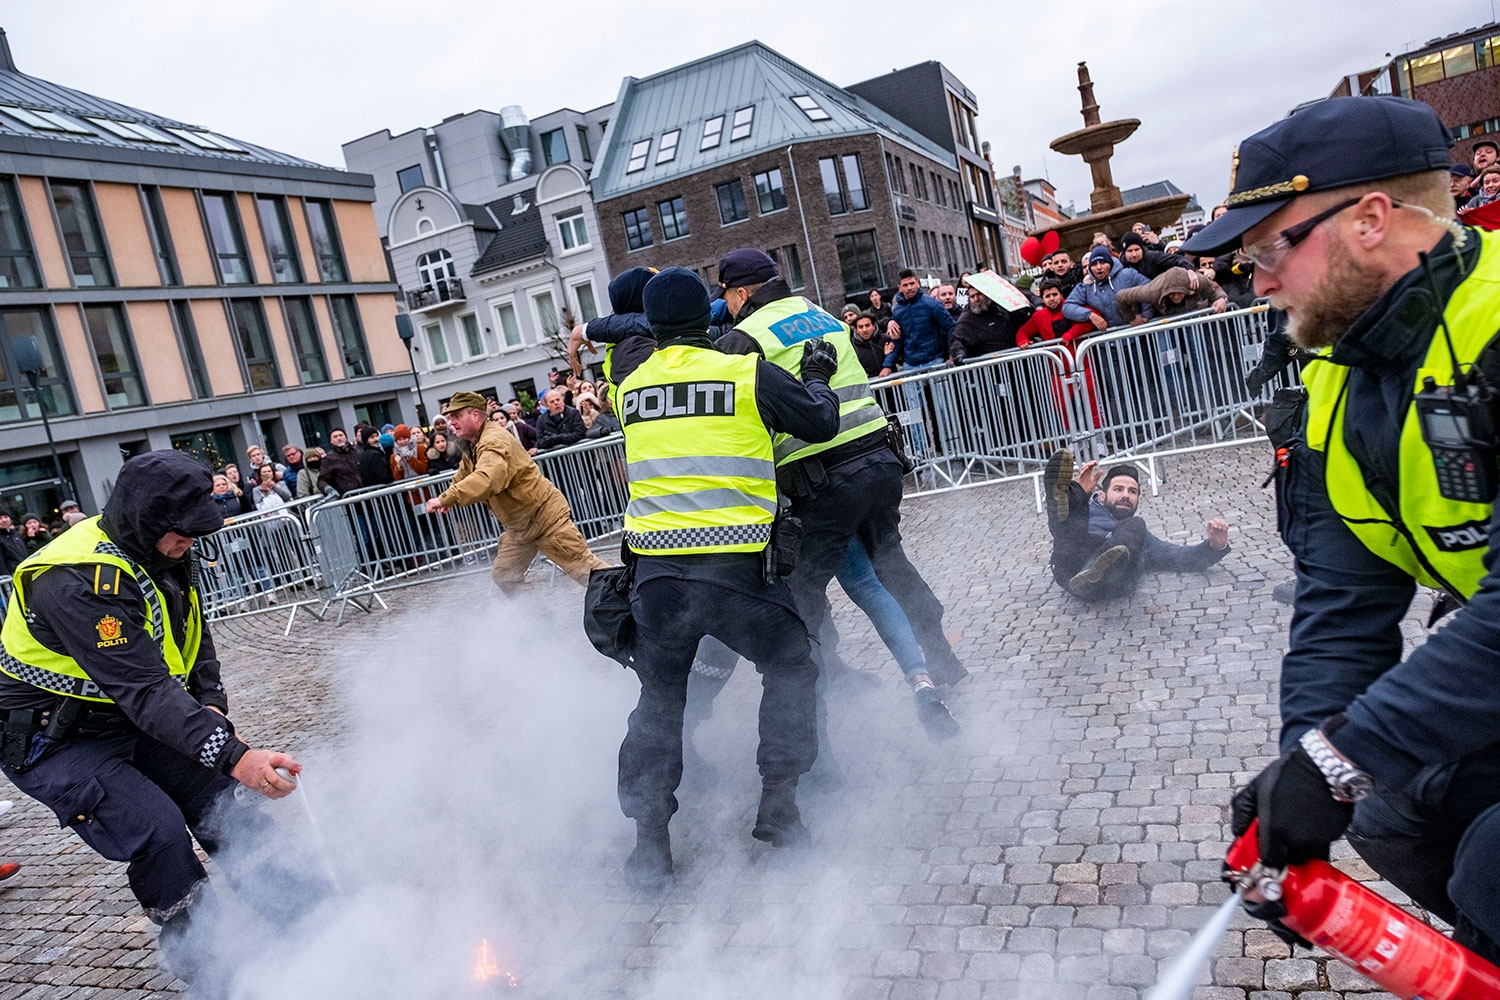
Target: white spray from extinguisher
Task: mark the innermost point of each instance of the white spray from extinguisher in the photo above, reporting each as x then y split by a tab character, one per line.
1178	982
300	781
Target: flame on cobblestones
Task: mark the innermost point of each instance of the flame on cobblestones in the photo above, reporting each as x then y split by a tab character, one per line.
487	967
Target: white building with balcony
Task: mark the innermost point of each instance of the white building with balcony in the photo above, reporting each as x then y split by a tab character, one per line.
491	286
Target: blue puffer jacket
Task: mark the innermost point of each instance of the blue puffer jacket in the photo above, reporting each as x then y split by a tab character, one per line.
925	326
1100	296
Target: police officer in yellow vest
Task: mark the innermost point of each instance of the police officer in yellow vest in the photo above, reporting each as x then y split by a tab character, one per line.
848	487
698	430
1387	481
114	716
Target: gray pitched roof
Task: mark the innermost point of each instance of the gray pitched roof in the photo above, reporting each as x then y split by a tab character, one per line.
522	237
686	96
30	93
1161	189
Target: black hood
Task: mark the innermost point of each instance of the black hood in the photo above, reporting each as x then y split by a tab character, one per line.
626	290
158	492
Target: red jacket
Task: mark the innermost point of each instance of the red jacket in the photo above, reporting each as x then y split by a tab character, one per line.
1047	325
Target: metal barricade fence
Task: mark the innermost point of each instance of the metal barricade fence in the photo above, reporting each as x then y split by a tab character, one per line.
993	420
591	476
259	563
1170	388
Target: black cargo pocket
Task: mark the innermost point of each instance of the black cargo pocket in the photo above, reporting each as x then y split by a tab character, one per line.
79	808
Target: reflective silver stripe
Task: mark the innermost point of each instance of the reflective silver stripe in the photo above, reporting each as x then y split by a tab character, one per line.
661	468
698	538
849	393
848	422
686	503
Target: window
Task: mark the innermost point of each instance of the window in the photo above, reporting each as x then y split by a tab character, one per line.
276	227
1424	69
731	196
1459	59
45	121
437	346
957	198
546	315
82	238
666	150
53	390
583	144
811	108
249	325
473	339
916	182
713	133
350	336
789	263
505	323
435	269
316	427
130	131
770	196
115	356
161	236
674	220
900	176
637	228
744	119
192	351
554	147
17	263
207	140
859	260
854	178
306	344
572	230
828	168
410	177
929	239
225	235
638	153
908	248
325	241
937	186
587	308
377	413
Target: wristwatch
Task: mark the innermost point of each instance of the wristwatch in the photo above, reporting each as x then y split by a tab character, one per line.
1347	782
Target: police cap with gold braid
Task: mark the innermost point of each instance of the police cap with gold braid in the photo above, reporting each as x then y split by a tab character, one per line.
1332	144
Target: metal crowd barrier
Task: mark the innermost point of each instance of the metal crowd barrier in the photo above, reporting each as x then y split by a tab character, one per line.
591	475
261	563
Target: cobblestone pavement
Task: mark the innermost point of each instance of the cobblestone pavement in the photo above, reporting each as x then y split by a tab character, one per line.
460	754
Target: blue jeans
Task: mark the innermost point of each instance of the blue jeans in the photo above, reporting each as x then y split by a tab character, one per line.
857	577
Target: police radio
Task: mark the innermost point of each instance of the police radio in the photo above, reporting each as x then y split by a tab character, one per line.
1455	422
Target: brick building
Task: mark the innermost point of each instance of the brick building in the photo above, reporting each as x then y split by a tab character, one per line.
187	290
746	148
1458	75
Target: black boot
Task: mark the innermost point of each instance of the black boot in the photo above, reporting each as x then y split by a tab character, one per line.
778	822
933	714
649	866
1056	478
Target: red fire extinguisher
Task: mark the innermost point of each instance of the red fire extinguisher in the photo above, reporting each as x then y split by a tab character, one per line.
1383	942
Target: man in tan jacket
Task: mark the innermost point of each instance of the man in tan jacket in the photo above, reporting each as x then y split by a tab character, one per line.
534	514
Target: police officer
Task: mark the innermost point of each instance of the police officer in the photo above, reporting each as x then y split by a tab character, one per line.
844	488
115	717
698	426
1388	481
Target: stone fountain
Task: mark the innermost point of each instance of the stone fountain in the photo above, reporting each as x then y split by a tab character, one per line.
1096	142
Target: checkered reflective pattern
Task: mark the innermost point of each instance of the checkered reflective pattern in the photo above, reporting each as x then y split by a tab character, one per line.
714	537
47	680
209	754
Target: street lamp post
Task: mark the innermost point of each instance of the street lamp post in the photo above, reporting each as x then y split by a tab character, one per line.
406	333
29	360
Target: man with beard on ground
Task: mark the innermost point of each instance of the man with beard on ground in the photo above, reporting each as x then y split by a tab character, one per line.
1100	547
1385	479
116	720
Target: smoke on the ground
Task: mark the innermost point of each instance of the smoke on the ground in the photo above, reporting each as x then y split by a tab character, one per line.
470	797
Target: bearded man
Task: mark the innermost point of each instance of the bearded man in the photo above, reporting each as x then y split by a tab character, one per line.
1386	478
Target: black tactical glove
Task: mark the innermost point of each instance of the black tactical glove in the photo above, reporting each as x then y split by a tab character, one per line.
819	361
1275	355
1299	817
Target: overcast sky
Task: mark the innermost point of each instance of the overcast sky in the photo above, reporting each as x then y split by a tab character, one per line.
305	76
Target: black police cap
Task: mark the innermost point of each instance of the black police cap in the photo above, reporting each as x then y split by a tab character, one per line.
1332	144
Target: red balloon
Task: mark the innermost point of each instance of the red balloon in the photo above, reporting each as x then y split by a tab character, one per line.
1050	242
1031	251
